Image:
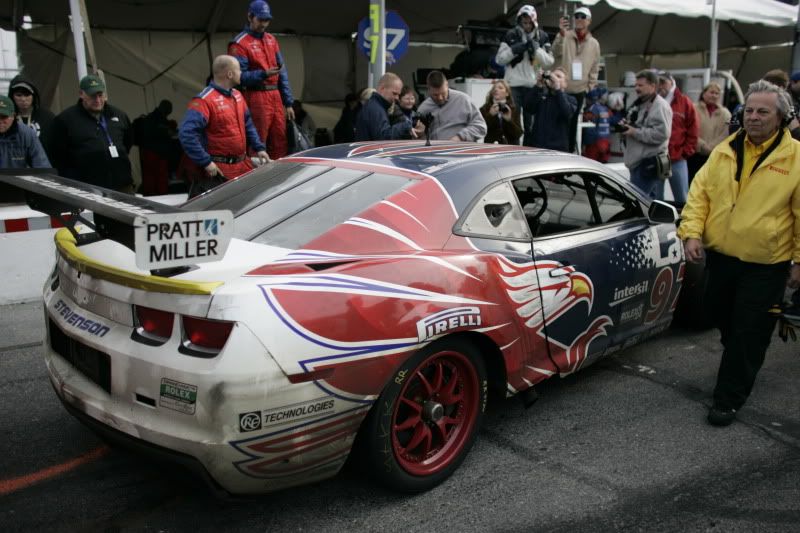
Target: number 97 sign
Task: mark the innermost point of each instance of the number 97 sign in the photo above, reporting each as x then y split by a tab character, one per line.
397	36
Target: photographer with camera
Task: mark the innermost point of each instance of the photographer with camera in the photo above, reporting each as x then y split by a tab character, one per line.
552	109
499	112
646	131
372	122
524	52
454	117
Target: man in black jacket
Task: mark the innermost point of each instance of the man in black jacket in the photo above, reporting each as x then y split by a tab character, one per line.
372	123
91	140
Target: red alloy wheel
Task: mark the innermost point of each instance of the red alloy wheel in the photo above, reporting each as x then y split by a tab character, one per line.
435	413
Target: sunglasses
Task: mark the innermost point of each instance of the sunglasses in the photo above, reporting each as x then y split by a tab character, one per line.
580	16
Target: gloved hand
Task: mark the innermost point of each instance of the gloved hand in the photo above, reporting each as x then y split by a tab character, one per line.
786	330
520	47
532	47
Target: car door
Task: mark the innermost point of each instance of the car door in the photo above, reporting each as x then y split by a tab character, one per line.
594	289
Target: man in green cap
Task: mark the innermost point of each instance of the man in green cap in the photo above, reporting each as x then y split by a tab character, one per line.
19	144
91	140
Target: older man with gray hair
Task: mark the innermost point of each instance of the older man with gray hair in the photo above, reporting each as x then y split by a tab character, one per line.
743	209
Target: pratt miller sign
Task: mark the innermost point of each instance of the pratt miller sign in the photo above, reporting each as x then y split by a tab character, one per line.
179	239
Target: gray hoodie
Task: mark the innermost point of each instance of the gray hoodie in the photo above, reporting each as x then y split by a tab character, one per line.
457	116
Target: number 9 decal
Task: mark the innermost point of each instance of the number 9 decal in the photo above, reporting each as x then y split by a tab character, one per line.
659	297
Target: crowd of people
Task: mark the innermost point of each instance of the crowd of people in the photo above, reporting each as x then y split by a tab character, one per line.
223	129
545	90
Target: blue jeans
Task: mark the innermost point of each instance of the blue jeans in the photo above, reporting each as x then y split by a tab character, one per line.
651	185
519	94
679	182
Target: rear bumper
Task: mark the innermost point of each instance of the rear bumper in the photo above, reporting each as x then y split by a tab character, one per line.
148	449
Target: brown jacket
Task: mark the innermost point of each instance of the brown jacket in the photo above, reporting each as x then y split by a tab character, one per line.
713	128
567	49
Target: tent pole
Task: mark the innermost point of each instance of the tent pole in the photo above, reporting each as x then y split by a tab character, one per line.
211	29
88	34
712	55
795	48
377	17
77	35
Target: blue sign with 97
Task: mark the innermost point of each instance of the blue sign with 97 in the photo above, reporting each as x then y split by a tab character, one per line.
397	37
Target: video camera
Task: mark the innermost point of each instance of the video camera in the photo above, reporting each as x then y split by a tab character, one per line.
425	118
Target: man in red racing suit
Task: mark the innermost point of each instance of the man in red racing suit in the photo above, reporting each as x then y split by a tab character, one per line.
217	128
264	80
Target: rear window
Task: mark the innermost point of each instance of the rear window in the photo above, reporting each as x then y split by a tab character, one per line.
288	205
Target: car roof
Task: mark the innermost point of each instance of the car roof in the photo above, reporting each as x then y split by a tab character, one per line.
463	168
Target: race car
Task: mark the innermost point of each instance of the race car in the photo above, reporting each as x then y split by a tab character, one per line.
368	298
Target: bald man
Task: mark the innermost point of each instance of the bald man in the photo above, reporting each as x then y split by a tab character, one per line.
372	123
218	129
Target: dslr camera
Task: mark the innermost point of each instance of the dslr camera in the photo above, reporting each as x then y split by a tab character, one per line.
619	127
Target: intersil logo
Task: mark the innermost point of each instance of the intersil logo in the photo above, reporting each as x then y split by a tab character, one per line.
631	291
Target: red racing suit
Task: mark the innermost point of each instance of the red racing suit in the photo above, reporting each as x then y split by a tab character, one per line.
267	96
217	127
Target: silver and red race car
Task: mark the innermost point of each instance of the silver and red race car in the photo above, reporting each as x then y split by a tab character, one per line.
374	293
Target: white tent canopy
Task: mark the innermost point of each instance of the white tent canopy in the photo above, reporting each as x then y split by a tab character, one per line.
765	12
152	49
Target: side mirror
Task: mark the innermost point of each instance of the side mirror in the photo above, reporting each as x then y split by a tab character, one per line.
662	213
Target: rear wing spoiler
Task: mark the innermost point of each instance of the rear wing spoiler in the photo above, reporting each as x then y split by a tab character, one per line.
161	236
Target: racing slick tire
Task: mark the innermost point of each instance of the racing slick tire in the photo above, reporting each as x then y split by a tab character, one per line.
426	419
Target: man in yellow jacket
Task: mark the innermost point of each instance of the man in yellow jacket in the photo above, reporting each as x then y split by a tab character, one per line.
744	210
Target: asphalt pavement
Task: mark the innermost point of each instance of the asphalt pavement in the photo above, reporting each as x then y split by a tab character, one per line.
621	446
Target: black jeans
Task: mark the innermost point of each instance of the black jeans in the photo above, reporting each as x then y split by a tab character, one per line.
573	122
740	295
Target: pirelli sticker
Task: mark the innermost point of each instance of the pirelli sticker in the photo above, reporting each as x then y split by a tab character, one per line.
255	420
181	397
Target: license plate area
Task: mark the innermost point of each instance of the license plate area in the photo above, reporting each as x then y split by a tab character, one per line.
93	364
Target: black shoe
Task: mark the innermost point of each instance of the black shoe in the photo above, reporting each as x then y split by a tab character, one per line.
720	416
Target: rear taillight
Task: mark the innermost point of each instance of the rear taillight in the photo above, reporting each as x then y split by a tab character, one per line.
154	324
205	335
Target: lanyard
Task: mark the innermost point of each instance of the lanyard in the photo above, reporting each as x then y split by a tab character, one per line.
104	127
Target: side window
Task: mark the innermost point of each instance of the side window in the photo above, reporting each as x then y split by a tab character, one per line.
496	215
613	204
555	203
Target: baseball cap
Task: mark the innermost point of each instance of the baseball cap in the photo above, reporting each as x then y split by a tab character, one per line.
92	85
527	10
22	85
665	75
795	76
584	10
6	106
260	10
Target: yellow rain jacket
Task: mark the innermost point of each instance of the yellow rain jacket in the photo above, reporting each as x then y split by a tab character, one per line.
757	219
